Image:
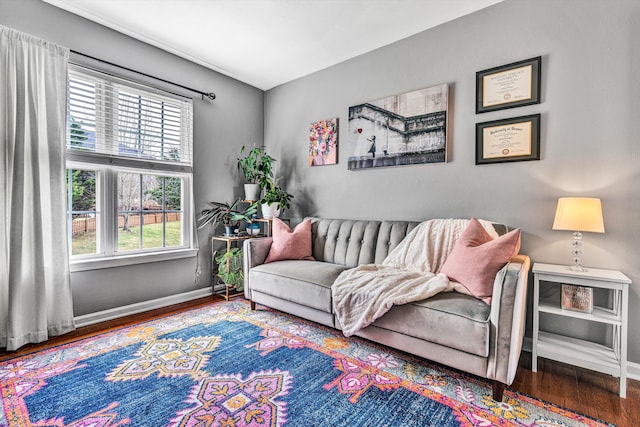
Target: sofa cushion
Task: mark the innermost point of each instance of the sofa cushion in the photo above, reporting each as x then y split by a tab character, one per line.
450	319
477	257
288	243
302	282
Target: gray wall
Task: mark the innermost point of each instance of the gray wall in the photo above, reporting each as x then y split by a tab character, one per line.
221	127
589	136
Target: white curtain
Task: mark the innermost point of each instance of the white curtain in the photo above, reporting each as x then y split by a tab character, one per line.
35	290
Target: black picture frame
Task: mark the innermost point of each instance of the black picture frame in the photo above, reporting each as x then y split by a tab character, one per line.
509	86
508	140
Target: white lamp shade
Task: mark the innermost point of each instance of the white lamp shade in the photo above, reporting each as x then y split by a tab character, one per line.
579	214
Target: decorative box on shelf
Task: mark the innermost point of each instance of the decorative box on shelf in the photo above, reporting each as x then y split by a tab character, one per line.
577	298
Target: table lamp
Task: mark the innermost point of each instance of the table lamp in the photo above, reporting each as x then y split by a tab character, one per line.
578	214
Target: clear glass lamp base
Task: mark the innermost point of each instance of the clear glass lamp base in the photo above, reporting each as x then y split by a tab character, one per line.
576	251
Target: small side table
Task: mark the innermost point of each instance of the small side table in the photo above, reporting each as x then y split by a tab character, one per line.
229	240
586	354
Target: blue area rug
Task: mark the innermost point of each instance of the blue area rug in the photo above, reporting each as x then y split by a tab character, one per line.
225	365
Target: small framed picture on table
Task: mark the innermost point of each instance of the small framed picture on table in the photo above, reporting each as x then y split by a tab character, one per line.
577	298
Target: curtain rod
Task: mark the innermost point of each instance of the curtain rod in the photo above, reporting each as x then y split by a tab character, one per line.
210	95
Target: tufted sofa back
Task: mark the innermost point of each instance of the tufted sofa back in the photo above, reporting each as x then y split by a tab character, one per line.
354	242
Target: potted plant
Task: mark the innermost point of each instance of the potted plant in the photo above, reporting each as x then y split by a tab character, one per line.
227	214
275	200
257	167
230	268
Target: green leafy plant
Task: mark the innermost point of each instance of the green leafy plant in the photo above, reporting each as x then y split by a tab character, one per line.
225	213
276	194
230	268
257	166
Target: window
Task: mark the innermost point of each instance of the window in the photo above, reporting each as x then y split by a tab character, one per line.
129	160
83	213
154	223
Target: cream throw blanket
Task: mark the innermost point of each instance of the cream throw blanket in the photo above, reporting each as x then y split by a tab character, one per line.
408	273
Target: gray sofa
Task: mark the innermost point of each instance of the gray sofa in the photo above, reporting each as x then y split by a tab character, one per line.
450	328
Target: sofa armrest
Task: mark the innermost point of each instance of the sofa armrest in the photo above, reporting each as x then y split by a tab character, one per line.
255	251
508	319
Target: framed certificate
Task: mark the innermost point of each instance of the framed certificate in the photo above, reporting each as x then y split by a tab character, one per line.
508	86
508	140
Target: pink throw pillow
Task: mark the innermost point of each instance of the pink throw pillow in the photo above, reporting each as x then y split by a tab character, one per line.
476	258
290	244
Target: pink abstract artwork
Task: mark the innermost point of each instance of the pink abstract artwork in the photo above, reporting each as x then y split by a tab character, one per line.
323	142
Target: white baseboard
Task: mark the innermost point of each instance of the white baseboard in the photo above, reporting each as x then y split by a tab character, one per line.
114	313
633	369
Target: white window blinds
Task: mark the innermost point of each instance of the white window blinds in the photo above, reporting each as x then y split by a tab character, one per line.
118	119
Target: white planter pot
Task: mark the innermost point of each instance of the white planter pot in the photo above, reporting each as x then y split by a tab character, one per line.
270	211
252	192
253	231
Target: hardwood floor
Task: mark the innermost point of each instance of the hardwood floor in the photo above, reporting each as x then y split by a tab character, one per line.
584	391
581	390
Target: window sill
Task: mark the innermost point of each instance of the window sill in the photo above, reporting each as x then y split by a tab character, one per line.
125	260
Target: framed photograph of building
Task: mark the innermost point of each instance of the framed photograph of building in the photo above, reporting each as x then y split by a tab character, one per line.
405	129
508	140
508	86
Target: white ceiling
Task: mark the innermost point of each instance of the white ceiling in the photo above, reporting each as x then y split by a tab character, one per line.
269	42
